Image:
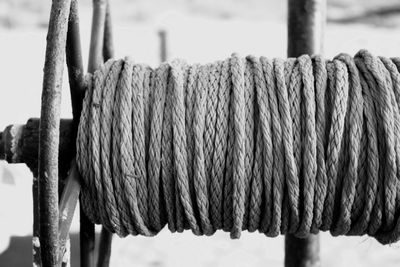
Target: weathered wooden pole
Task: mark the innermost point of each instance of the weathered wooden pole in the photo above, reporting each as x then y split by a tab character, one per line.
306	23
77	89
97	35
106	237
108	43
76	81
104	248
302	252
87	230
68	201
49	132
76	73
162	34
36	256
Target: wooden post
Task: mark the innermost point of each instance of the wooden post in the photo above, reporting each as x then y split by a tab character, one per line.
97	35
77	88
104	248
306	22
108	44
75	66
37	260
163	45
306	25
106	237
49	132
302	252
87	230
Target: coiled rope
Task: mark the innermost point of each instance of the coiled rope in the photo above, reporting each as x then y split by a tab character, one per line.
279	146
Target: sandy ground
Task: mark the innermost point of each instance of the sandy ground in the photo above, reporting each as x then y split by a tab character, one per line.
197	40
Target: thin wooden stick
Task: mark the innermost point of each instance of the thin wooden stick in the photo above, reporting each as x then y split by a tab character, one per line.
74	56
103	259
97	35
49	131
87	230
87	240
36	256
108	43
106	237
70	193
77	88
68	202
306	22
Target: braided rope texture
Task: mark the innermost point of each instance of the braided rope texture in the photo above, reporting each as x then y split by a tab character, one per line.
270	145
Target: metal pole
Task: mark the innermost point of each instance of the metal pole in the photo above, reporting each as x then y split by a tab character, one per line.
49	132
306	22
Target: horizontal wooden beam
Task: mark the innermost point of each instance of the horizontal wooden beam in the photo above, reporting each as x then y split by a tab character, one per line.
20	144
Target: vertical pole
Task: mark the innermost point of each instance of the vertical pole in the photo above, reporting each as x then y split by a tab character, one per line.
302	252
37	261
86	240
104	248
306	23
97	35
87	230
75	66
49	131
163	45
108	44
77	87
106	237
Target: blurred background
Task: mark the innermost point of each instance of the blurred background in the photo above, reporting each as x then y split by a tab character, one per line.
198	31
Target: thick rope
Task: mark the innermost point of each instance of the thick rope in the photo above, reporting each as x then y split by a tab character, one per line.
279	146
